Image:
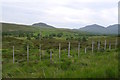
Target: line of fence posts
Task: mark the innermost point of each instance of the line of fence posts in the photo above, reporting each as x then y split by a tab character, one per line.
40	51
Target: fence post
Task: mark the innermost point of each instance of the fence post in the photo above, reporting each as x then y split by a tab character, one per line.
13	54
50	55
109	46
40	36
85	50
105	45
78	49
99	45
116	43
40	52
27	53
69	50
92	46
59	50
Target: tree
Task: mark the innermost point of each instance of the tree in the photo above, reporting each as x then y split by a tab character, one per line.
28	37
67	38
84	39
38	36
59	34
53	35
50	36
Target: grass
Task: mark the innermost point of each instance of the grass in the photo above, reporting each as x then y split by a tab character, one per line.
100	64
90	65
97	65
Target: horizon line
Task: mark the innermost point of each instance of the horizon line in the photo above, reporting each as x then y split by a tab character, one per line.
53	26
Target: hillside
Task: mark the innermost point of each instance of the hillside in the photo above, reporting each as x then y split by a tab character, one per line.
23	30
8	27
37	27
97	29
42	25
113	29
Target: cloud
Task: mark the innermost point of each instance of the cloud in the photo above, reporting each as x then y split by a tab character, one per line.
60	13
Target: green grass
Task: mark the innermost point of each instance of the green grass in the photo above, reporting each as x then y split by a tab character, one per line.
100	64
97	65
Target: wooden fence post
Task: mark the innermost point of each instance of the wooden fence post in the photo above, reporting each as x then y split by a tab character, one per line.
78	49
40	36
51	56
98	45
105	45
92	46
69	50
85	50
109	46
40	52
13	54
27	53
59	50
116	43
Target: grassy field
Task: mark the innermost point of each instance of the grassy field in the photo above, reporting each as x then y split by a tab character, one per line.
96	65
100	64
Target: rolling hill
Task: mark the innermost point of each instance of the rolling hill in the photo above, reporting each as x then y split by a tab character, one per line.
8	27
44	28
97	29
113	29
42	25
90	29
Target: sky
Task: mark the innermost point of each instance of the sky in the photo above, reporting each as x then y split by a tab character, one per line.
60	13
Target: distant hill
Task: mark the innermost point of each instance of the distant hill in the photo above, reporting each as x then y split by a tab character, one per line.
8	27
90	29
42	25
113	29
97	29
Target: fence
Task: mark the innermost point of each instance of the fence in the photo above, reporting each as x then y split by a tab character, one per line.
69	48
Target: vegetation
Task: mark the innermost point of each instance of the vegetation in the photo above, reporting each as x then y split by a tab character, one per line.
100	64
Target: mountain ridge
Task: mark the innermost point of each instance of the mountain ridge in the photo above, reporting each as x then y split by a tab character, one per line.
98	29
93	29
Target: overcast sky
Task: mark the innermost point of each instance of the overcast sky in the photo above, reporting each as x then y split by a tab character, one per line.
61	13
